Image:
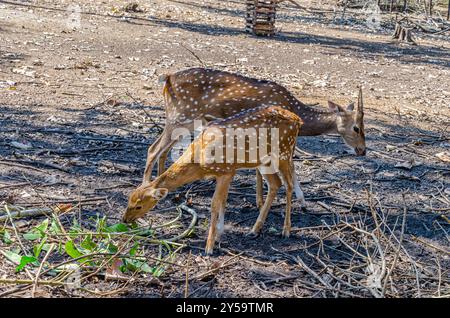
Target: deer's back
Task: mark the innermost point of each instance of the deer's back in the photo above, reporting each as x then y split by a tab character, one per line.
211	94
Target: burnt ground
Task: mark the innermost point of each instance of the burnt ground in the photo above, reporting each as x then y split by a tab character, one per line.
78	108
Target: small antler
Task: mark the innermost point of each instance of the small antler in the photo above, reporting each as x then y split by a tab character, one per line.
360	112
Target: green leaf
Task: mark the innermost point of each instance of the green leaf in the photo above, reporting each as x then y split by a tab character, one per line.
157	271
25	260
112	248
88	244
101	224
46	247
32	236
134	249
7	237
75	228
71	250
38	248
12	256
135	265
54	227
120	227
273	230
38	232
43	227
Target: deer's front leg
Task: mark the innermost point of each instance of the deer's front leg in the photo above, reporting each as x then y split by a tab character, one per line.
259	190
218	204
162	162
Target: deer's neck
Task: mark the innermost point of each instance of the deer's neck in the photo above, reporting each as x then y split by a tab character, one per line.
316	121
178	175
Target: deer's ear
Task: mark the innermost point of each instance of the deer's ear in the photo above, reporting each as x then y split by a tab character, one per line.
156	194
335	107
350	107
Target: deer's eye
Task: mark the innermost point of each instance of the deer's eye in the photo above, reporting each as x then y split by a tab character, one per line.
138	207
356	129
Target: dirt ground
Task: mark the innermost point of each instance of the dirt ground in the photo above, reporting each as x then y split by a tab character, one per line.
79	107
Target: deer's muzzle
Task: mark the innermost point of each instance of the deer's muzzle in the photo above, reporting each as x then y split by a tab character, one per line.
360	151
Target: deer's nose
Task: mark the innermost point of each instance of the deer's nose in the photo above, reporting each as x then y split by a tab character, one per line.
125	217
360	151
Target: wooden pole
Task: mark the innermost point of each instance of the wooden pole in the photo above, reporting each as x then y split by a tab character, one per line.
448	10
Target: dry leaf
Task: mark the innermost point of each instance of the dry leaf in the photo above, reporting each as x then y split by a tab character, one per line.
24	70
20	145
63	207
390	147
409	164
444	156
113	271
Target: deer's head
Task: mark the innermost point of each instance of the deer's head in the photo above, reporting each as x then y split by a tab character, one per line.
142	200
350	124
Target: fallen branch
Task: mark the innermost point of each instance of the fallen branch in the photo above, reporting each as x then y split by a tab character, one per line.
19	213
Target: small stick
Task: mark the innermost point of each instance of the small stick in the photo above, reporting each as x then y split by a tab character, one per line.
21	166
213	270
26	213
29	281
431	245
186	287
397	253
15	229
87	200
313	273
195	55
113	140
377	243
190	227
36	280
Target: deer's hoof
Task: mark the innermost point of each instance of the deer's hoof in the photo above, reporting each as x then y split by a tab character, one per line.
208	251
207	254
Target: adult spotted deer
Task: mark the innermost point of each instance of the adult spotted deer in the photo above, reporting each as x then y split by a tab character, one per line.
205	94
211	155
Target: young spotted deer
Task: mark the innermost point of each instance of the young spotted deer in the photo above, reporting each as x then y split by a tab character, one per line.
262	138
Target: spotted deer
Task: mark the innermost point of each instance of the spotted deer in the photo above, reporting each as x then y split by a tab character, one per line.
195	164
206	94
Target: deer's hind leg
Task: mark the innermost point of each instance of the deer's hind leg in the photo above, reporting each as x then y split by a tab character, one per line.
286	172
259	190
274	184
297	189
